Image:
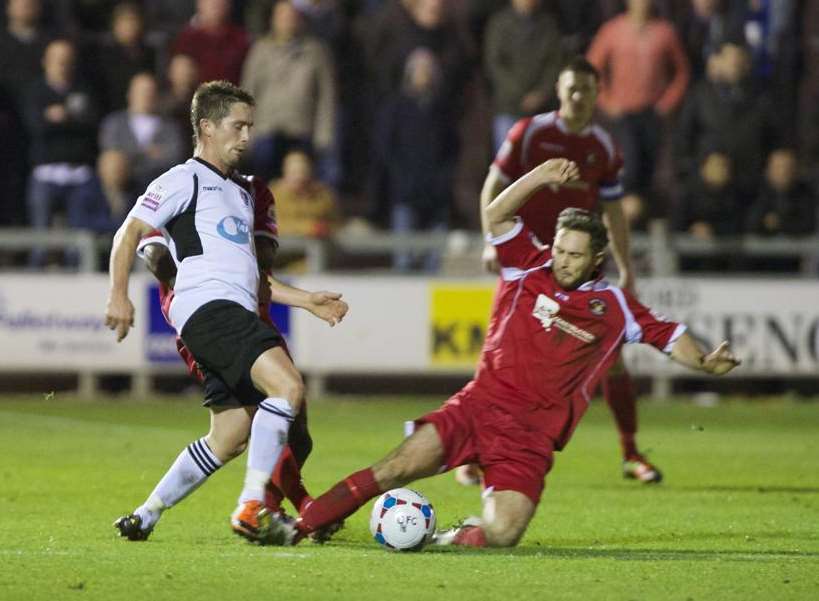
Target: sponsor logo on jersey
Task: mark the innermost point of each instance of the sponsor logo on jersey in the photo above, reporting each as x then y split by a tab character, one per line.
152	198
598	306
212	188
546	311
234	229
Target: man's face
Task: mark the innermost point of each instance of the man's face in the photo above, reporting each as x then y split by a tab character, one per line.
573	259
230	137
142	95
578	94
58	61
24	11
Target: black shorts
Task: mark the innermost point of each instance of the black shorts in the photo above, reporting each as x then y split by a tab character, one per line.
226	339
218	395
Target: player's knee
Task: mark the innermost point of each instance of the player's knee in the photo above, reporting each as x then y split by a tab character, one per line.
503	533
291	388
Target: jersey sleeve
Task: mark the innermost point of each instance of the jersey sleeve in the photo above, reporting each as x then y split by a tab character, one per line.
264	216
166	197
153	237
646	326
509	159
519	250
611	183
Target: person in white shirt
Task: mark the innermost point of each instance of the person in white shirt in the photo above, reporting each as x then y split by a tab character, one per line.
207	213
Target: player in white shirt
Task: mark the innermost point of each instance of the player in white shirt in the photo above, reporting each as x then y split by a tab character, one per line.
208	216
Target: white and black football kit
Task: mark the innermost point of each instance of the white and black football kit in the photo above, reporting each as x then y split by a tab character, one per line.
208	218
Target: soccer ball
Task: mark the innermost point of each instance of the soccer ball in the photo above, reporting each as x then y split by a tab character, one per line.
402	520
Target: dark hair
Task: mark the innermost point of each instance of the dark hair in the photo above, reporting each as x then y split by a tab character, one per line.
213	99
582	220
579	64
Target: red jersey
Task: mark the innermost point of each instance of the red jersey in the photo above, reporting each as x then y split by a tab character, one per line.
535	140
548	346
264	225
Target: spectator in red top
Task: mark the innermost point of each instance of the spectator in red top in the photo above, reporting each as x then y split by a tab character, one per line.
645	75
216	44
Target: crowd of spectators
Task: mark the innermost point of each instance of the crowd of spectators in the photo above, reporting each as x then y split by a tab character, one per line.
392	109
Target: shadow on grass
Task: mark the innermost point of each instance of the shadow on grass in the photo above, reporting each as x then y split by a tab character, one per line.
796	490
633	554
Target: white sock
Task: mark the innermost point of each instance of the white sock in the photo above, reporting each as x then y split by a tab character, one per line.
192	467
268	435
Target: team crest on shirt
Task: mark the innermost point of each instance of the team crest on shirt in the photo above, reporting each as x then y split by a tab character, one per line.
546	311
234	229
245	197
591	159
598	306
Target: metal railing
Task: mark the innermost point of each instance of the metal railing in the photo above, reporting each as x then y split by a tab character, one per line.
661	248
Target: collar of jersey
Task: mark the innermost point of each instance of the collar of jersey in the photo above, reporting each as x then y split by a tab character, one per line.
210	166
561	125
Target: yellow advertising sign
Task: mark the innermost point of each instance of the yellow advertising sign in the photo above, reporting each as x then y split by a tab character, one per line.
459	315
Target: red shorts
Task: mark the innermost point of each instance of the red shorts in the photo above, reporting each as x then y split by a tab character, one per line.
513	454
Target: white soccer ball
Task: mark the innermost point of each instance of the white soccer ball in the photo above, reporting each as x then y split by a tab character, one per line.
402	520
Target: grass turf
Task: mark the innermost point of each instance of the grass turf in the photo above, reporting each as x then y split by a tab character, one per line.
737	518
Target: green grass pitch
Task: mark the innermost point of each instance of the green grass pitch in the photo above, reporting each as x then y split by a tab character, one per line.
737	518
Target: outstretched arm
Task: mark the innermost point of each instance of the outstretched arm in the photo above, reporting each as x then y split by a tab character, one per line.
500	214
718	362
492	186
324	305
119	311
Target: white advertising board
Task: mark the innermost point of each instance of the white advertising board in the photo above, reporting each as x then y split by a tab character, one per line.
52	323
773	325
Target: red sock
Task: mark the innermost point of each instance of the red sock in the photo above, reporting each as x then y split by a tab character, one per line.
340	501
285	482
471	536
619	393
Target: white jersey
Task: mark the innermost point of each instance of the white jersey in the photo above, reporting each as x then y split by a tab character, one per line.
208	219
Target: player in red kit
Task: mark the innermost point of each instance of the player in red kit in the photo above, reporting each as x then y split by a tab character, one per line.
556	328
570	132
286	479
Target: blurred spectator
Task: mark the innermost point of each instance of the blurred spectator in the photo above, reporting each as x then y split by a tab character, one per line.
151	142
175	102
785	204
709	208
399	28
101	203
416	148
22	43
123	54
523	58
323	17
769	26
578	21
644	76
167	18
218	46
704	28
62	118
725	111
304	205
291	76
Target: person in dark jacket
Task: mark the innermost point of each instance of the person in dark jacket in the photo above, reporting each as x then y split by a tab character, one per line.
786	205
416	145
62	118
